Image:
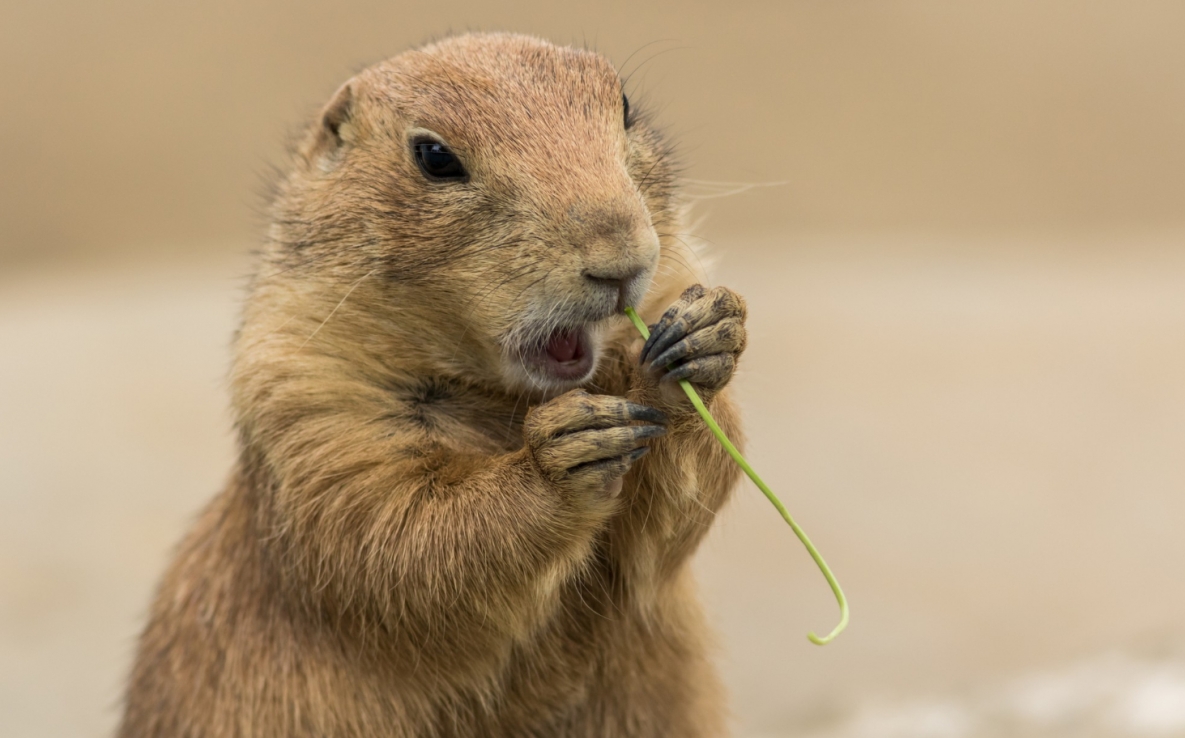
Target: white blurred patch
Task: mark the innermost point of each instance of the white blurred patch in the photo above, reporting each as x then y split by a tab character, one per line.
1063	697
1109	696
918	720
1154	704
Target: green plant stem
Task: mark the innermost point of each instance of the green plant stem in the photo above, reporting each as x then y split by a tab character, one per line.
761	485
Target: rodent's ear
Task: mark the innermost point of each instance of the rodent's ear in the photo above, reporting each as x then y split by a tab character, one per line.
336	127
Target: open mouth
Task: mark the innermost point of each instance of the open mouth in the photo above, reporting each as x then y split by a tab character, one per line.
566	355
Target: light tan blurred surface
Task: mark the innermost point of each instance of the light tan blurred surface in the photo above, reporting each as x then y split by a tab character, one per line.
964	378
134	125
986	447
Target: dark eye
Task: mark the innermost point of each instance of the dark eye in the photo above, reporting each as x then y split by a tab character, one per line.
625	106
437	162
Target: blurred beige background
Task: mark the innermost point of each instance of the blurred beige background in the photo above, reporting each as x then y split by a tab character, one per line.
965	376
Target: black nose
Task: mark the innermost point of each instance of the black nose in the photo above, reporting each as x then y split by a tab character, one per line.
618	280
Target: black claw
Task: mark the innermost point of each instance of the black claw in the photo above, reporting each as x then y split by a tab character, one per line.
656	330
659	329
708	365
648	431
682	372
661	336
673	354
637	453
649	342
645	412
673	333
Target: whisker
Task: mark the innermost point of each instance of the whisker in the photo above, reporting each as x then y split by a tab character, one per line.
475	301
637	51
725	189
335	308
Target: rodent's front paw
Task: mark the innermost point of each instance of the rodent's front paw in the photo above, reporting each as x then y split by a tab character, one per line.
699	338
584	443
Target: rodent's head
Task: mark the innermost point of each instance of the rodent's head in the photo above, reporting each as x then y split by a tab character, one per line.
500	183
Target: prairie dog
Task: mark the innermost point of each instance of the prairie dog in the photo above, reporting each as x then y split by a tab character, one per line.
466	492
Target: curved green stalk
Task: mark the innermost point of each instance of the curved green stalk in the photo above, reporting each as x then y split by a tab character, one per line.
761	485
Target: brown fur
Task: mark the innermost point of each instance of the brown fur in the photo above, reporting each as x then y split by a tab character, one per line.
416	540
